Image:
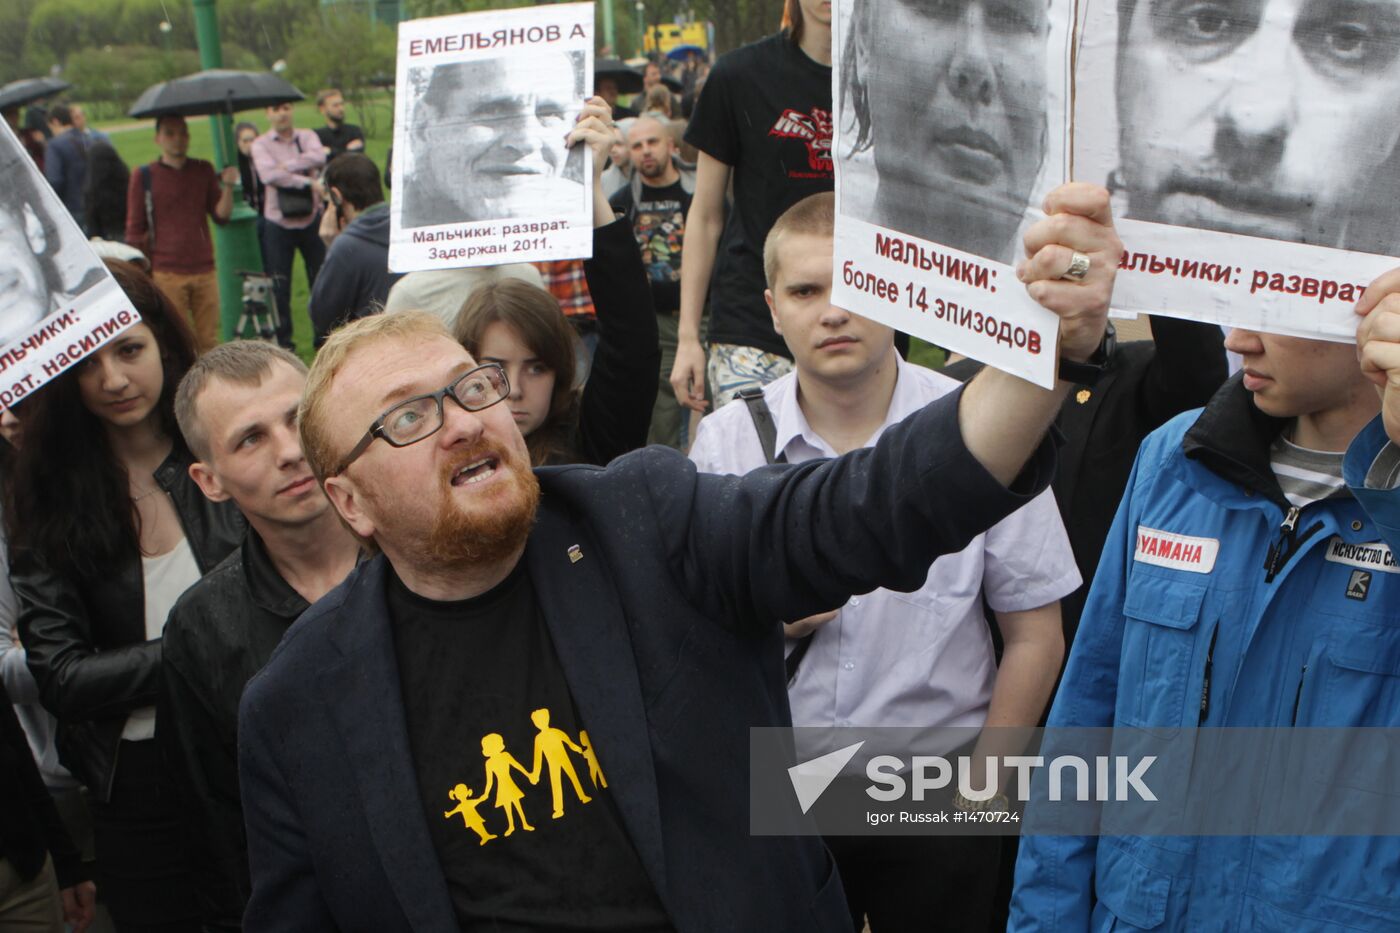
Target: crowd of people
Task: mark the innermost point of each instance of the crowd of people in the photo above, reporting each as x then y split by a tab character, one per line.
299	648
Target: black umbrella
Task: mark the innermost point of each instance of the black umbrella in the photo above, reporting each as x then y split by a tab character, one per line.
214	91
28	90
629	80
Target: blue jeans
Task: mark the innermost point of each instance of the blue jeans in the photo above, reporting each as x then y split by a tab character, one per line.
280	245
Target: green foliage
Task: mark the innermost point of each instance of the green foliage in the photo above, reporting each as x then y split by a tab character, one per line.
420	8
14	30
117	74
264	27
343	49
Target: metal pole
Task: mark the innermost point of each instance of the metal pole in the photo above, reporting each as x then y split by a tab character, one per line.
609	35
235	242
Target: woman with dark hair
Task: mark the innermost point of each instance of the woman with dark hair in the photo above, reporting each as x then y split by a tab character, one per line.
107	531
253	193
521	327
104	193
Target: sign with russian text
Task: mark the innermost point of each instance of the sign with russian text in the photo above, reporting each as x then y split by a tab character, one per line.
1252	154
58	302
483	105
950	131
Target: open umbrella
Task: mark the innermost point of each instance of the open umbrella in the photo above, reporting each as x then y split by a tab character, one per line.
681	52
28	90
214	91
629	81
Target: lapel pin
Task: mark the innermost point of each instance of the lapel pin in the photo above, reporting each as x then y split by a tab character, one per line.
575	553
1083	396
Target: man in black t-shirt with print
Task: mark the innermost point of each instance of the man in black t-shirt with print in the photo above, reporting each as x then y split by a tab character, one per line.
764	121
655	203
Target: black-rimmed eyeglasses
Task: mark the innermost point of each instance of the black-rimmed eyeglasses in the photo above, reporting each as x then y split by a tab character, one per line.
420	417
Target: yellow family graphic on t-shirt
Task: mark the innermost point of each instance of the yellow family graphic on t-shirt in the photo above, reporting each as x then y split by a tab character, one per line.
552	747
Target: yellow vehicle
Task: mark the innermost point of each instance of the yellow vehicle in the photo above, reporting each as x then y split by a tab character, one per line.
664	37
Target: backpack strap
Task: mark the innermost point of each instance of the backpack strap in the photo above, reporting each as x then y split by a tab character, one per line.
767	430
150	206
763	423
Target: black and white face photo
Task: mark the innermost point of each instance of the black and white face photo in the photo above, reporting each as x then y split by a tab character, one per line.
949	98
34	278
488	140
1270	118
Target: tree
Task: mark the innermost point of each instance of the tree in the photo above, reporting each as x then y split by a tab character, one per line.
342	49
14	35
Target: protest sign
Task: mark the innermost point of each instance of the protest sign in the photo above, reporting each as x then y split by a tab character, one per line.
58	302
482	108
951	128
1251	151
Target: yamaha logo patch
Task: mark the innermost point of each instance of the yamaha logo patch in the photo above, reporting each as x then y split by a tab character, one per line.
1179	552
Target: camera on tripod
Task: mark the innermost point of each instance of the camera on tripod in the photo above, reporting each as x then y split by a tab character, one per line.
259	307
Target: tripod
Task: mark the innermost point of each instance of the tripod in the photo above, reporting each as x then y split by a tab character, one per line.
259	307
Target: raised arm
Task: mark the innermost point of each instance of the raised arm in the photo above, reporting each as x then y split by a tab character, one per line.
1003	417
615	412
789	542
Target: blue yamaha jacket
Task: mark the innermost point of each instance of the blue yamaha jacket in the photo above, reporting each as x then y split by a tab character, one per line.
1218	604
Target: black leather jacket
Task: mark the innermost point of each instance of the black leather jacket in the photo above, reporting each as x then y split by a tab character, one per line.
220	633
85	635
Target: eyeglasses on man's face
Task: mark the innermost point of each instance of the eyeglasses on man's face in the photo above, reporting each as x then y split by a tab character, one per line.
420	417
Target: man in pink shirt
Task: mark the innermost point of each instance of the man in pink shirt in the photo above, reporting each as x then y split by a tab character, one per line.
288	160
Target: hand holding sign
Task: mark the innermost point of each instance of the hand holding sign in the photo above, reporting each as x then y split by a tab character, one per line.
594	128
1078	220
1378	345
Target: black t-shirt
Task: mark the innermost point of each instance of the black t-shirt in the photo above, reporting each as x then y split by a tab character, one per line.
338	139
658	222
487	706
765	112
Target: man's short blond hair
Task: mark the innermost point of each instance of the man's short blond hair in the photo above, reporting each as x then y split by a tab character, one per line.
814	215
317	413
241	362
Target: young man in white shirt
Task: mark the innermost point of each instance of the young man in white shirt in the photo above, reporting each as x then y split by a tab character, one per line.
895	659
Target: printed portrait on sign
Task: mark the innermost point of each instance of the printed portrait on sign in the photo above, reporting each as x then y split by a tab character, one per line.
1268	118
945	102
487	139
44	263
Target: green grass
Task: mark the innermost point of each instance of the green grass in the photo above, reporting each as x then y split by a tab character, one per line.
135	142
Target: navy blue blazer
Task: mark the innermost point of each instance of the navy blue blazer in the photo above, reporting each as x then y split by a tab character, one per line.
667	630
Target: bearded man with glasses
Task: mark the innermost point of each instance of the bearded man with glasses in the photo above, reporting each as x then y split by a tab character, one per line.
619	623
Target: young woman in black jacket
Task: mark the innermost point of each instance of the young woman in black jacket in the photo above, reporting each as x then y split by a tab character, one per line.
520	326
107	530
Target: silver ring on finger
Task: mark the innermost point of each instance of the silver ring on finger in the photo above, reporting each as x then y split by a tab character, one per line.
1078	268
